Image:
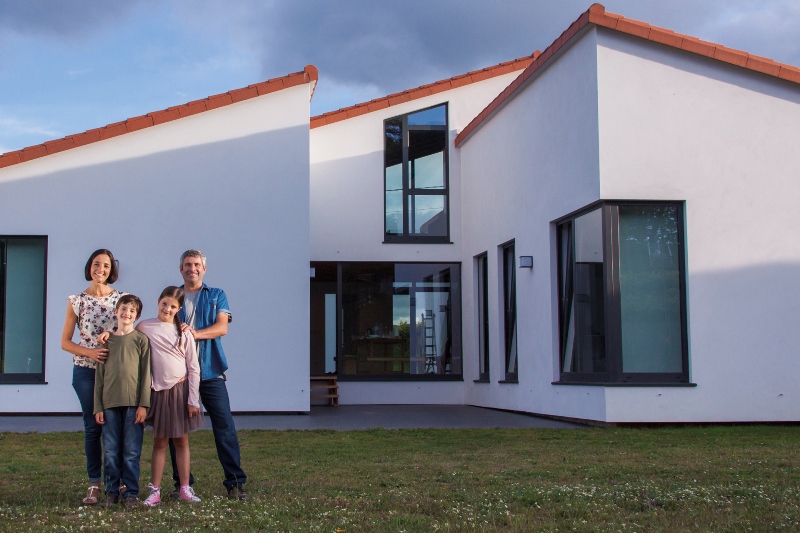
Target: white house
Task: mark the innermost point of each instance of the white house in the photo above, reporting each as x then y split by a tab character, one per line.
601	231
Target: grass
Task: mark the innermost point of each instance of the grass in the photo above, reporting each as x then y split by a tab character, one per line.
720	478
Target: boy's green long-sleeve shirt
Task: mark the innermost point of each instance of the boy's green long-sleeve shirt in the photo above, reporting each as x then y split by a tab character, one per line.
124	379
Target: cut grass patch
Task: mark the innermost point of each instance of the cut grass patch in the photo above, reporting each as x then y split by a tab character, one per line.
721	478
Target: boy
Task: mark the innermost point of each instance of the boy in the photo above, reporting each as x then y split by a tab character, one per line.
121	399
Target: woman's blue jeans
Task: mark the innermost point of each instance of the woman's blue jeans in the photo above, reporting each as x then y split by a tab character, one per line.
83	383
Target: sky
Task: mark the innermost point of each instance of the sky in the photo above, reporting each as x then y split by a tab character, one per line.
67	66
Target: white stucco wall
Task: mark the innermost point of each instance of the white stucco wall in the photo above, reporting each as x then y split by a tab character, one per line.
232	182
534	161
347	217
678	126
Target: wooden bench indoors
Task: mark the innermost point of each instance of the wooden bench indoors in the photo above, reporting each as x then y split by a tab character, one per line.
325	387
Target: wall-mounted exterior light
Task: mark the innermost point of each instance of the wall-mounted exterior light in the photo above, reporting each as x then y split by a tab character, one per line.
526	261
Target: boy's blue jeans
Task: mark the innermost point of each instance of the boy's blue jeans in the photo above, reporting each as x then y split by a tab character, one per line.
122	443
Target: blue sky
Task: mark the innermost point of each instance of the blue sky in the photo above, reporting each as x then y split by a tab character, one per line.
71	65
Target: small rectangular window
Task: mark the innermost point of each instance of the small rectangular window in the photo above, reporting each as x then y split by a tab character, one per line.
510	311
23	278
482	311
415	177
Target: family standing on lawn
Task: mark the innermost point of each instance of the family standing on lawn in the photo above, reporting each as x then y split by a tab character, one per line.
156	374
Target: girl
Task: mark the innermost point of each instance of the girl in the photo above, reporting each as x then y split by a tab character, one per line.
175	404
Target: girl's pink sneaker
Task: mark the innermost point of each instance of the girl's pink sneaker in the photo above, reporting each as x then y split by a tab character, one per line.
155	496
188	495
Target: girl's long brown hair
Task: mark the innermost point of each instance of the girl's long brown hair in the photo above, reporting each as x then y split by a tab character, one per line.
177	293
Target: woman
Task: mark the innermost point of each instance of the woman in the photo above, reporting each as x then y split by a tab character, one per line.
92	311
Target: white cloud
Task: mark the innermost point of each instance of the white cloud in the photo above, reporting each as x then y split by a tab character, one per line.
12	126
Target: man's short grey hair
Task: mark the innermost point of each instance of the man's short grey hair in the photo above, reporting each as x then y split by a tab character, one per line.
193	253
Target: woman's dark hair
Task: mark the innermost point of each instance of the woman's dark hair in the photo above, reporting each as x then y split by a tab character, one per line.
131	299
177	293
113	274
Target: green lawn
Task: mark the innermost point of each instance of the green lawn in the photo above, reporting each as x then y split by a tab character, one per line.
739	478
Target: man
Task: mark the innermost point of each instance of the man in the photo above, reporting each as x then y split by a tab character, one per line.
205	315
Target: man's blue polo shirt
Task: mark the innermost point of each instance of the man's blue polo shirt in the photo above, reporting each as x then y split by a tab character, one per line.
210	301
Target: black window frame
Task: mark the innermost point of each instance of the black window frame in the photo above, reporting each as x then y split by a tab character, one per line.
406	237
37	378
510	318
613	374
481	263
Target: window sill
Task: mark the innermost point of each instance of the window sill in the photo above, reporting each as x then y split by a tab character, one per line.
417	240
626	384
20	381
481	381
399	377
511	381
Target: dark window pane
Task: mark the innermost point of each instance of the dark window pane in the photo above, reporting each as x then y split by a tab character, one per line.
22	350
584	321
393	154
510	304
650	290
398	319
483	315
427	215
435	116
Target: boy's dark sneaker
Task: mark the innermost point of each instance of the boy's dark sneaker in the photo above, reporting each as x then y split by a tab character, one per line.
130	503
237	492
111	499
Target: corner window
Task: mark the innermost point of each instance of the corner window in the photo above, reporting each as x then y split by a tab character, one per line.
22	308
622	297
482	314
510	311
415	177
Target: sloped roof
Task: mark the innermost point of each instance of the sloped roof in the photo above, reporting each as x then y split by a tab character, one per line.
422	91
308	75
598	16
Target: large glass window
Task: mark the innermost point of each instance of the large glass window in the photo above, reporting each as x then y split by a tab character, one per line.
482	310
22	308
415	177
510	310
397	320
621	294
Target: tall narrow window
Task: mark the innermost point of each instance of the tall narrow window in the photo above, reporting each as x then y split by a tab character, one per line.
482	310
415	177
510	311
622	294
22	308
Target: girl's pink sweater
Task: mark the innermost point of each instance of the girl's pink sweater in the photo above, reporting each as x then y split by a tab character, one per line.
170	363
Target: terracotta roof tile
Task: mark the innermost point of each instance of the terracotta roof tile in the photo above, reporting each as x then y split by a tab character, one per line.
309	74
33	152
506	67
59	145
598	16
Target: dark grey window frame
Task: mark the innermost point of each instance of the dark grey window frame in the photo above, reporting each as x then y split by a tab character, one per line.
510	318
405	237
482	270
613	375
21	378
456	325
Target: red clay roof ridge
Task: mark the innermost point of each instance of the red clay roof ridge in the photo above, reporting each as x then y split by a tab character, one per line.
309	74
429	89
597	15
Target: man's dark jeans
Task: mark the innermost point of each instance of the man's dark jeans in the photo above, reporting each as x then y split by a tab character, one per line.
214	395
122	443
